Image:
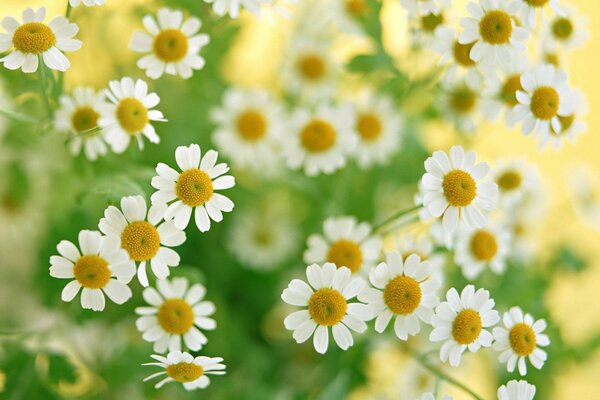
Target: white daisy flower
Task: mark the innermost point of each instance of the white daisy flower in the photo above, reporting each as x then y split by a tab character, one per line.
569	30
345	243
543	100
130	114
422	245
454	189
571	126
519	339
193	188
233	7
172	43
500	91
461	104
426	27
327	306
493	29
33	40
483	248
145	240
417	8
515	178
101	267
431	396
79	114
184	368
405	290
456	56
176	313
529	10
516	390
320	141
459	322
87	3
584	185
346	14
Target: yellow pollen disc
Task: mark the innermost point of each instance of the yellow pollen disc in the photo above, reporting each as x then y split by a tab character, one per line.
317	136
312	67
484	245
141	240
327	307
545	103
431	21
251	125
463	100
170	45
509	180
522	339
565	123
175	316
551	58
194	187
369	126
508	93
263	237
402	295
345	253
84	119
33	38
459	188
92	271
462	53
132	115
356	7
496	27
466	326
536	3
562	28
185	372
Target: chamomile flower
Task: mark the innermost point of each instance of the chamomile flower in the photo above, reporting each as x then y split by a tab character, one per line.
454	189
327	305
482	248
460	104
567	31
529	10
184	368
500	92
101	267
515	179
422	246
405	290
194	188
34	41
516	390
426	27
176	313
571	126
456	56
233	7
492	29
172	43
87	3
459	323
79	114
417	8
519	339
347	14
320	141
146	240
345	243
130	113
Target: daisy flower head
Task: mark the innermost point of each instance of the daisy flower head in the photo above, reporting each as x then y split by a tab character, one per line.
346	14
172	44
422	245
184	368
33	40
129	114
142	235
461	104
101	267
492	29
327	306
516	390
194	188
483	248
529	10
233	7
519	339
176	312
87	3
457	57
568	30
418	8
345	243
404	289
571	126
515	178
460	321
500	91
454	189
320	141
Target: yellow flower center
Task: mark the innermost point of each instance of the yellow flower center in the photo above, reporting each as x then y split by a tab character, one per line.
345	253
522	339
496	27
509	180
536	3
185	372
369	126
356	7
317	136
84	119
508	92
463	100
402	295
431	21
263	237
545	103
132	115
327	307
141	240
170	45
459	188
565	123
251	125
33	38
462	53
92	271
194	187
562	28
175	316
551	58
466	326
312	67
484	245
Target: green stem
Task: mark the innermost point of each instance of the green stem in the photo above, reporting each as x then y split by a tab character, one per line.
69	8
44	86
18	117
394	217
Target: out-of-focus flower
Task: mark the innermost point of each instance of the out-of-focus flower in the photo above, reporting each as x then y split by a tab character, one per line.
184	368
460	104
422	245
529	9
34	40
87	3
418	8
583	185
571	125
515	179
233	7
481	248
456	56
516	390
568	30
500	92
431	396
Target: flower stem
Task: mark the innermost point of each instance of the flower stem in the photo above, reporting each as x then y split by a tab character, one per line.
44	86
18	117
69	8
394	217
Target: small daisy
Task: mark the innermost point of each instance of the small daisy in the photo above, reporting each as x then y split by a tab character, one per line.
483	248
345	243
456	56
172	43
184	368
422	246
232	7
459	322
515	179
493	29
454	189
417	8
87	3
193	188
327	306
529	9
571	125
34	41
519	339
516	390
346	14
404	290
101	267
79	114
145	240
431	396
500	92
176	313
461	104
568	30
